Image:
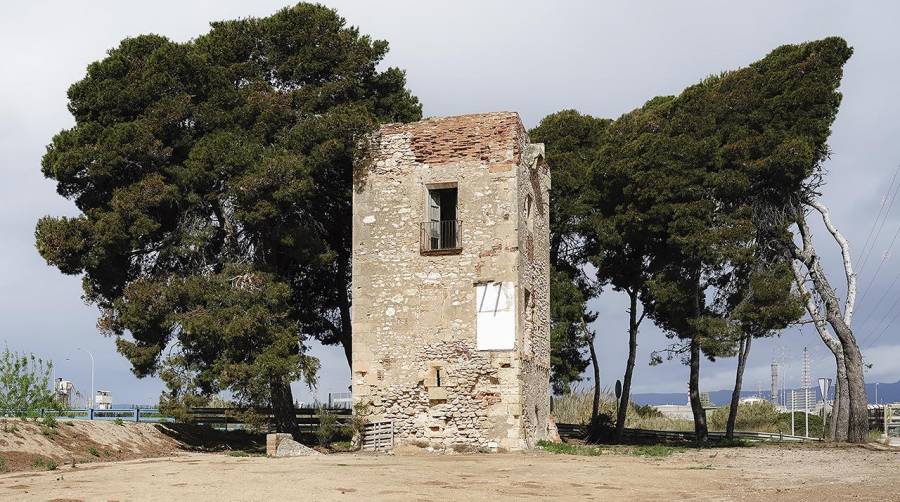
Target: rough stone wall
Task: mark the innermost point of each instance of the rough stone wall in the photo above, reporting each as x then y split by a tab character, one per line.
414	315
534	274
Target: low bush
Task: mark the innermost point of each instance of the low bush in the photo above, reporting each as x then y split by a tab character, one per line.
119	421
575	408
763	416
94	452
45	464
50	422
328	427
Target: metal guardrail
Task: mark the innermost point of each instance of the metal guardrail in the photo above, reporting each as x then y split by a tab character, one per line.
307	418
581	431
146	415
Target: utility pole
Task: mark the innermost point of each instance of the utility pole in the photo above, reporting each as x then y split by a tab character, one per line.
774	389
92	374
804	377
792	412
876	393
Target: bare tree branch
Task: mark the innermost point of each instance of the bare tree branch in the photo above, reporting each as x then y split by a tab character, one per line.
845	254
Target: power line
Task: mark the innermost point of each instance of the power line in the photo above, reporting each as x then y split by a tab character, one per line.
883	319
884	295
867	251
884	258
878	336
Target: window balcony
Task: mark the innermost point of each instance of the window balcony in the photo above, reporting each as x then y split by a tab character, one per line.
440	237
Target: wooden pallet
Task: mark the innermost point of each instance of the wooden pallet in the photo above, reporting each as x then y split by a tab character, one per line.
378	436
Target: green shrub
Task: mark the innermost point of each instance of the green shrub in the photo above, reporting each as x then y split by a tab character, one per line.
50	421
328	426
357	426
25	383
238	453
2	464
69	423
763	416
46	464
119	421
784	424
94	452
48	431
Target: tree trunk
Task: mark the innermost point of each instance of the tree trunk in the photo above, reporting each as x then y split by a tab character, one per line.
700	428
633	323
283	412
346	331
346	334
743	352
858	421
595	410
840	413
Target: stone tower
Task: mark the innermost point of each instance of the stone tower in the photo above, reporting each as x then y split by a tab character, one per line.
451	338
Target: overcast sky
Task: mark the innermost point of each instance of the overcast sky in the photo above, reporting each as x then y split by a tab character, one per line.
535	58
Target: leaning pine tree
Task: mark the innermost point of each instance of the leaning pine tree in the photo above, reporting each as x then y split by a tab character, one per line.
213	180
713	177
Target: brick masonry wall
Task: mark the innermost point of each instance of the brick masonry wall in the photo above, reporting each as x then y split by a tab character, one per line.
415	314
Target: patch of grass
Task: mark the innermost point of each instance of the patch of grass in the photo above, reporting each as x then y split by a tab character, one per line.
10	427
729	443
342	445
238	453
69	423
48	431
119	421
49	421
654	450
2	464
576	407
570	449
94	452
45	464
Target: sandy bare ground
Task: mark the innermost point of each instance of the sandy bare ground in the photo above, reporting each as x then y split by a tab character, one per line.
22	442
760	473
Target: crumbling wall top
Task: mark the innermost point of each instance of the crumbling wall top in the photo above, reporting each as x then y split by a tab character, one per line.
485	137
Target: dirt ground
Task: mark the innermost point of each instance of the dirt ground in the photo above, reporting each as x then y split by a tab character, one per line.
758	473
24	441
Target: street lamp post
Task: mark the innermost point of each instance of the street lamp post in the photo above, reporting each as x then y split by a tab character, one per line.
876	393
92	374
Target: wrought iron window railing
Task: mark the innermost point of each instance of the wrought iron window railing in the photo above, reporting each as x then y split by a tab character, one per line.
440	237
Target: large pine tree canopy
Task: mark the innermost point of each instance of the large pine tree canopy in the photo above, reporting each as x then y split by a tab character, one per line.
679	199
692	173
213	179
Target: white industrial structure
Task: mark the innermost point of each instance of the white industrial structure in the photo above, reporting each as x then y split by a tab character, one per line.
103	400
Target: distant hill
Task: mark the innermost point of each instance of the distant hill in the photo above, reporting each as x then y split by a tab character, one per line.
887	393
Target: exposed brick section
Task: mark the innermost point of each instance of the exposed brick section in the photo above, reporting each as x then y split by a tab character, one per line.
487	137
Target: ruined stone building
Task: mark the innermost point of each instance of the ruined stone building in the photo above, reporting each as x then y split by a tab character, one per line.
451	282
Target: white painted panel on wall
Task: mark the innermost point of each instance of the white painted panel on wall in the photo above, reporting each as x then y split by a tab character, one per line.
495	311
